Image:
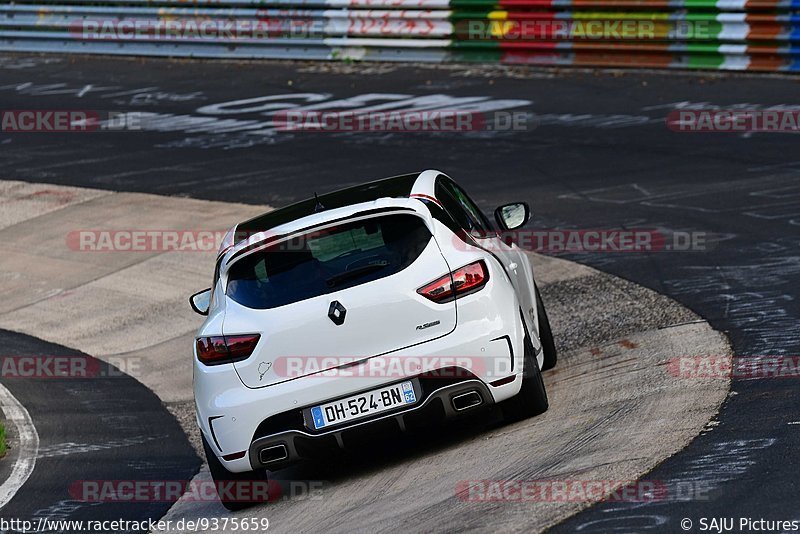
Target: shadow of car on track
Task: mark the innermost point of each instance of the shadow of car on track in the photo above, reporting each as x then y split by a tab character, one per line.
379	449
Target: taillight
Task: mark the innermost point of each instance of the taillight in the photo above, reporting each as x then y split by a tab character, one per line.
465	280
226	349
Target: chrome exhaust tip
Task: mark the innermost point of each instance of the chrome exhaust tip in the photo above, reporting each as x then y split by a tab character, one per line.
465	401
275	453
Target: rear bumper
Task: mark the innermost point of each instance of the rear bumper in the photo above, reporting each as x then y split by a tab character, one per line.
280	449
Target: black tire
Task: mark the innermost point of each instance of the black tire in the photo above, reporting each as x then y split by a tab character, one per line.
222	477
545	335
532	397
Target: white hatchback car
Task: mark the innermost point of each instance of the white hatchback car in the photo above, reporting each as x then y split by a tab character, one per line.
382	306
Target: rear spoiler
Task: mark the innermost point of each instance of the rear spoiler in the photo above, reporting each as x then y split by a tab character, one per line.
259	239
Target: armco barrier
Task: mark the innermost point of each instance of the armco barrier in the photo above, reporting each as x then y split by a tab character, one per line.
760	35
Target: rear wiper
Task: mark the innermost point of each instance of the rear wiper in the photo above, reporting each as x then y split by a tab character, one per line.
347	275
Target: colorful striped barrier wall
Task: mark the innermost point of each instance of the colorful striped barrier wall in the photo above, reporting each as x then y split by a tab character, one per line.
756	35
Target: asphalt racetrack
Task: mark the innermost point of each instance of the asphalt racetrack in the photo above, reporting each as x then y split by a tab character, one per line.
595	154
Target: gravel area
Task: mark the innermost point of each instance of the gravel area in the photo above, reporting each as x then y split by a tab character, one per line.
619	308
184	413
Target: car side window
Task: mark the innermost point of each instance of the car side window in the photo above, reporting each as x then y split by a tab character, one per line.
462	209
451	205
471	207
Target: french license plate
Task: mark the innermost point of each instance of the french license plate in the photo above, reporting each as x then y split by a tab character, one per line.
363	405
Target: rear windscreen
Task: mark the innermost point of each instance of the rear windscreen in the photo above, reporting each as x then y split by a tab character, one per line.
324	261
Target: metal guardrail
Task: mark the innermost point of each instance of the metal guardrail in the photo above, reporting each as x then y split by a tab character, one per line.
760	35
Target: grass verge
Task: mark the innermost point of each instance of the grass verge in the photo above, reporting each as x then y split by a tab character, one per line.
2	440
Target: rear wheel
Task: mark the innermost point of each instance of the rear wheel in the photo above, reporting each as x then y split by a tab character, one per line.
545	335
532	397
235	489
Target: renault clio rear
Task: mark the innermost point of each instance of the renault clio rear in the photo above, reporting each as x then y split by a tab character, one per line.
391	303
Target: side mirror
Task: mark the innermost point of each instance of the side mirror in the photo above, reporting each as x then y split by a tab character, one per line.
512	216
201	301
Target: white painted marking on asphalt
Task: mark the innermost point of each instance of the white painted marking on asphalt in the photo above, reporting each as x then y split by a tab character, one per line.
64	449
28	445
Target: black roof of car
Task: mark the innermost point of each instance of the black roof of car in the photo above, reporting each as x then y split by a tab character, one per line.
394	187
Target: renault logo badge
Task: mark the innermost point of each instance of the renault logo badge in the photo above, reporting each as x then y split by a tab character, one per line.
337	312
